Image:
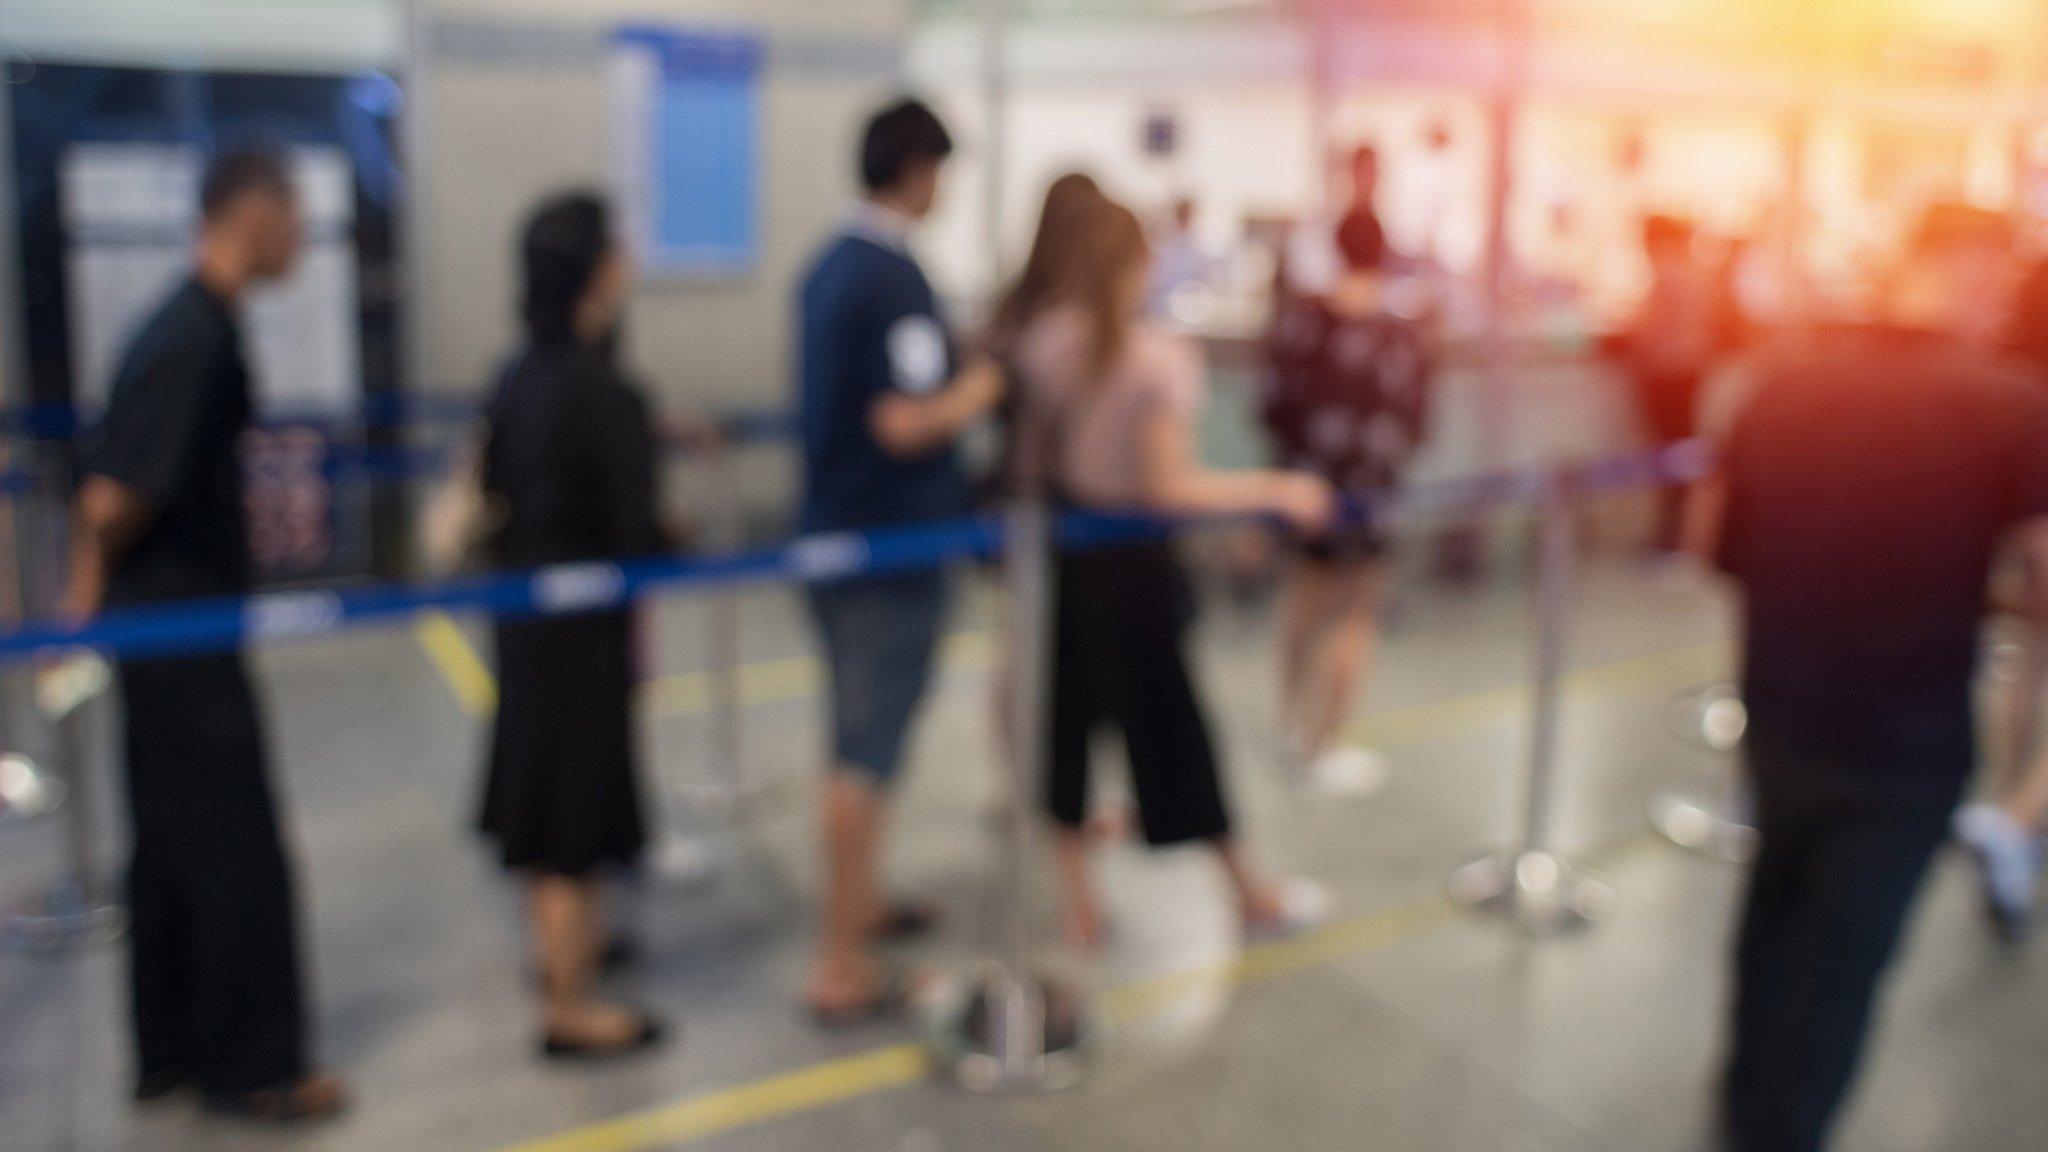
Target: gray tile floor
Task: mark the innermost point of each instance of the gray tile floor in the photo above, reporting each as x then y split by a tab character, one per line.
1413	1030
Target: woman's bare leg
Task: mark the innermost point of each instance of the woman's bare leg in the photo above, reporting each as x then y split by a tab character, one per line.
1343	657
567	916
1084	926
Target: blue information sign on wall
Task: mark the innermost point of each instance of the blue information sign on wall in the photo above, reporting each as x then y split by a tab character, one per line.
687	108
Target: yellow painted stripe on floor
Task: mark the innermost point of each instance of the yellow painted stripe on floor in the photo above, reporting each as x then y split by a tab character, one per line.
1266	962
885	1069
748	1104
1415	723
457	660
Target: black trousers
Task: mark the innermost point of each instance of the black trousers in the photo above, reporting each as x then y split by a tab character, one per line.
1118	662
1838	869
214	955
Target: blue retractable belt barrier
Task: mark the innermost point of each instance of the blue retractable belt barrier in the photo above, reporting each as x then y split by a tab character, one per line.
219	625
383	412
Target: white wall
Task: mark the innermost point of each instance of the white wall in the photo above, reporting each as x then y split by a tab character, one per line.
505	129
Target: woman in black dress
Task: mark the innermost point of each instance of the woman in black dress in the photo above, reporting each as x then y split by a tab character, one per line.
570	465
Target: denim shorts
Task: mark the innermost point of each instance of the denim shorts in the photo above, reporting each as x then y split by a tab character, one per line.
879	637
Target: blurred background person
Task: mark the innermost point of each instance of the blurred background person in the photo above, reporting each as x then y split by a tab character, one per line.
1868	482
570	465
1348	400
1313	263
1669	347
1108	424
216	991
1184	268
885	400
2004	830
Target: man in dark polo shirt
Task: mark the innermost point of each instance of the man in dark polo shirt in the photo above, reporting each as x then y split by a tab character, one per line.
884	399
215	978
1867	484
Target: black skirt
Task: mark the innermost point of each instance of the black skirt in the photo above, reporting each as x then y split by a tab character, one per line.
562	795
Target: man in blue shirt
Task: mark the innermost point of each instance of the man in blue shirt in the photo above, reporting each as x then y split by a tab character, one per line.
884	400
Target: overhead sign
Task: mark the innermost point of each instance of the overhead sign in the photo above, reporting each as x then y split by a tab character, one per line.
686	110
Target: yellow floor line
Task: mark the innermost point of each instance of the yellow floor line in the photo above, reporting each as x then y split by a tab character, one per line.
900	1066
457	660
749	1104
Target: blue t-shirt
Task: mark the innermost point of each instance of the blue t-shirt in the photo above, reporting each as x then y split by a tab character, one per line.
869	323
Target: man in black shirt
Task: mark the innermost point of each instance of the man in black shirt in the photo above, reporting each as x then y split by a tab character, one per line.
1866	486
215	980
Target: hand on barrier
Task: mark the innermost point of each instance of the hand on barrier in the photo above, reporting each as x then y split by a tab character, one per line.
1306	502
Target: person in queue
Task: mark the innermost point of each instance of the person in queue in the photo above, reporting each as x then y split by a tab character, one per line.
1669	348
1107	422
1348	399
1867	483
884	398
1071	202
570	466
216	982
2004	830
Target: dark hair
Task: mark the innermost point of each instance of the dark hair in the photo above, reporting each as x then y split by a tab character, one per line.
1946	228
565	241
899	136
237	172
1362	241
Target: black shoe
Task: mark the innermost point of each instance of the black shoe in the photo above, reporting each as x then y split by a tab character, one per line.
157	1087
314	1098
649	1033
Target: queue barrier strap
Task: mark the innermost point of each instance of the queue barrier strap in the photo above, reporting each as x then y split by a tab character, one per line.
378	413
193	627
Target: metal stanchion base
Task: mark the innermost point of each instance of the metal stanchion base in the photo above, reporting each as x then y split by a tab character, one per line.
26	792
1015	1033
1542	893
61	920
1702	828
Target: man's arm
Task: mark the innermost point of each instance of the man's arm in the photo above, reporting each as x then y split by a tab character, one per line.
907	425
107	520
1705	522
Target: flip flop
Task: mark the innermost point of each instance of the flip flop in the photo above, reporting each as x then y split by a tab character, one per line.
889	1000
648	1033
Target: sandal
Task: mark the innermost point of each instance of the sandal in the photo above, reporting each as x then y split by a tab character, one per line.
647	1033
890	999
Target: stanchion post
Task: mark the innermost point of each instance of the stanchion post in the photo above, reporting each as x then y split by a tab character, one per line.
75	911
728	729
1014	1028
1532	885
1714	718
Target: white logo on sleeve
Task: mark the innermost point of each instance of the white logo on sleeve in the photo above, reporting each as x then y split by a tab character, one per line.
917	354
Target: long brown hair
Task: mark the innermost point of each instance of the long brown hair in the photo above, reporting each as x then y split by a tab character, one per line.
1070	206
1112	247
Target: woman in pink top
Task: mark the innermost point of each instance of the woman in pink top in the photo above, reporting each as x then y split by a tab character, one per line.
1108	424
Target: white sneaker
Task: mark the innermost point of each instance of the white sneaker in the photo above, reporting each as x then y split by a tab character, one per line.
1304	907
2010	860
1346	772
